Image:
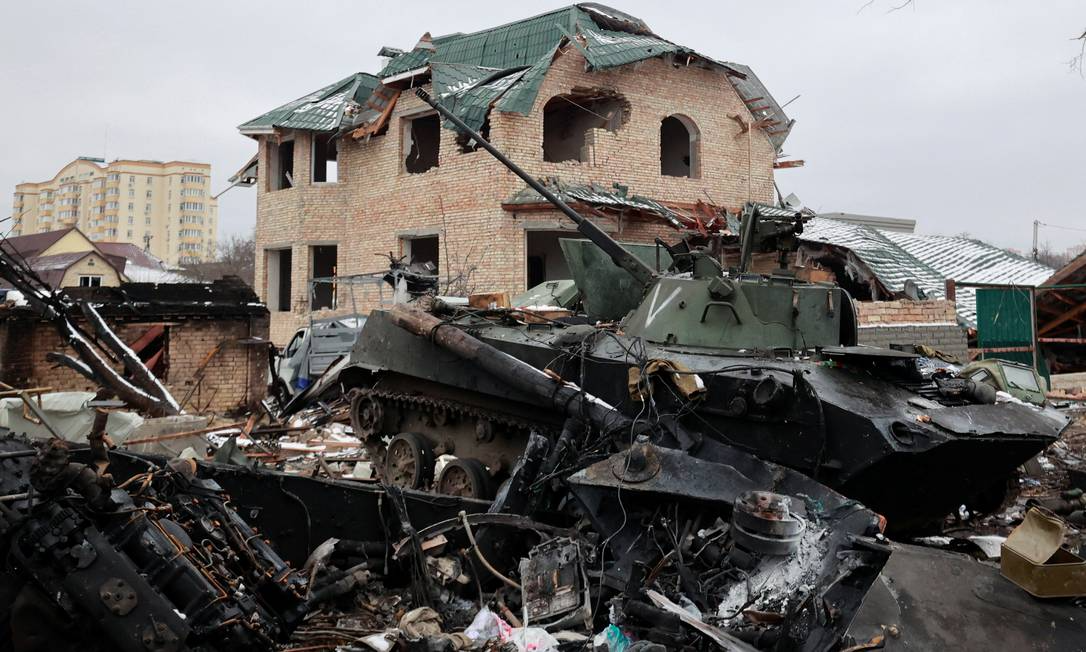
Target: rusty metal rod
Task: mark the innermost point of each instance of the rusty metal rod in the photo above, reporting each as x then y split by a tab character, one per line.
549	390
12	454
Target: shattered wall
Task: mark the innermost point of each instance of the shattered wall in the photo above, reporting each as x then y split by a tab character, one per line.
236	376
376	204
932	323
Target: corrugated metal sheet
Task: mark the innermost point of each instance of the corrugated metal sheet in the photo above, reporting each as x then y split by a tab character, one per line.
895	257
606	49
516	44
521	97
469	93
598	196
321	110
1004	318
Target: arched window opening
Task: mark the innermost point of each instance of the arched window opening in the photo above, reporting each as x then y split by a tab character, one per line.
569	119
679	140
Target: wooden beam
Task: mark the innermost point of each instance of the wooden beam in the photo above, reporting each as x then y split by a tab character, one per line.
148	337
30	391
783	165
1066	316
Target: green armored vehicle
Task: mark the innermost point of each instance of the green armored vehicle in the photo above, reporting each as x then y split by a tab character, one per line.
714	356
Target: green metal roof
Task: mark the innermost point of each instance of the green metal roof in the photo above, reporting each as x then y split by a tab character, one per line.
611	39
608	49
471	99
503	67
516	44
321	110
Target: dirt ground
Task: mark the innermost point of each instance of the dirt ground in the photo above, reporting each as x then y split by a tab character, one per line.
1044	477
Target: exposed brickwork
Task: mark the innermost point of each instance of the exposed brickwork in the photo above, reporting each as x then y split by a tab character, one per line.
374	203
236	377
906	312
933	323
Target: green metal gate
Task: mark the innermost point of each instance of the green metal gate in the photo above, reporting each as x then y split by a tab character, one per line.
1005	326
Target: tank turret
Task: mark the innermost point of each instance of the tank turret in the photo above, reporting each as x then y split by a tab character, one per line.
704	306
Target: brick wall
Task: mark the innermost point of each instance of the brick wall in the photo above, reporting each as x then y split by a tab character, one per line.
933	323
235	379
375	203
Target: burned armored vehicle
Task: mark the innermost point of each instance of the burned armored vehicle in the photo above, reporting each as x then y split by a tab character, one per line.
764	363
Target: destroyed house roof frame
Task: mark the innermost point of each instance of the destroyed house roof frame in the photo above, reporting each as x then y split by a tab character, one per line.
524	48
1062	309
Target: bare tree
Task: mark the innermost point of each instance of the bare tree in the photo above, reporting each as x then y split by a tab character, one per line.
897	6
1077	61
234	256
460	268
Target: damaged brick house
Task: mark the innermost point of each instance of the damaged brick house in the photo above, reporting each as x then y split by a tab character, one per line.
640	133
207	342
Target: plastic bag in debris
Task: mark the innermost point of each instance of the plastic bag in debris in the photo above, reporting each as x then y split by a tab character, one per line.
487	626
612	639
532	639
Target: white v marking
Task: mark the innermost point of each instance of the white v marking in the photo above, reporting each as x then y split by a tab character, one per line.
653	310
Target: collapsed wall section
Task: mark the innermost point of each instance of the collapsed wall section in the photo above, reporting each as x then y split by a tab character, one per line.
219	363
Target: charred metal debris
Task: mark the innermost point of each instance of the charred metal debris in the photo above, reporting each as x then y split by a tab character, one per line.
717	466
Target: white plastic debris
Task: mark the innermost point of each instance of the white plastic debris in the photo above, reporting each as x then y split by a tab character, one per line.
487	626
990	544
532	639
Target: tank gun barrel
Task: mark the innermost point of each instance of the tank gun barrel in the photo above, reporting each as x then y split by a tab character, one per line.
621	257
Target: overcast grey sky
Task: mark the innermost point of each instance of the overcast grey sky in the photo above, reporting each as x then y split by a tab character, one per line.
962	115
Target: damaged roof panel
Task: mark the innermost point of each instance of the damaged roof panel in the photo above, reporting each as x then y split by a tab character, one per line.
472	103
611	39
514	44
761	104
321	110
928	260
607	49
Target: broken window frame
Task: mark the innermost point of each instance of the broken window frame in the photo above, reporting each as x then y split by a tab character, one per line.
322	295
274	284
693	147
324	150
537	245
407	246
277	178
610	109
407	141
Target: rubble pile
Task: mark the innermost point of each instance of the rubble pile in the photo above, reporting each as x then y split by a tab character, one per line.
721	468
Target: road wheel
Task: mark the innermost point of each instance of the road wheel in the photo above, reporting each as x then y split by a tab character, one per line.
367	415
409	461
467	478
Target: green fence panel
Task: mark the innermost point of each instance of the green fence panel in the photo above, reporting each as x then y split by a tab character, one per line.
1003	317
